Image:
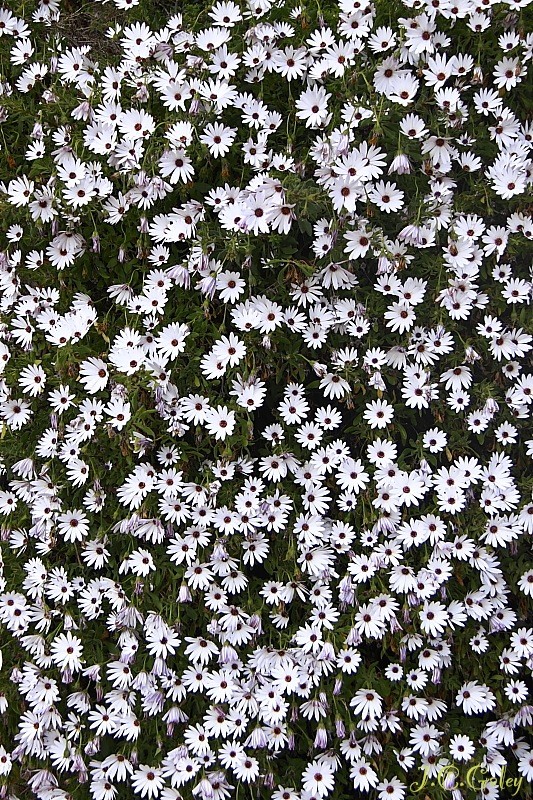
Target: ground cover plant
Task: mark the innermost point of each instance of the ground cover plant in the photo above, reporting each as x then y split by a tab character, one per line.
265	396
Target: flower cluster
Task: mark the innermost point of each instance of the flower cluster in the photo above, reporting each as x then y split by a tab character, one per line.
265	399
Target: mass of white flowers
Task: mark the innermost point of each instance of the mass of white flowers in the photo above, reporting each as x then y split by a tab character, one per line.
265	400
